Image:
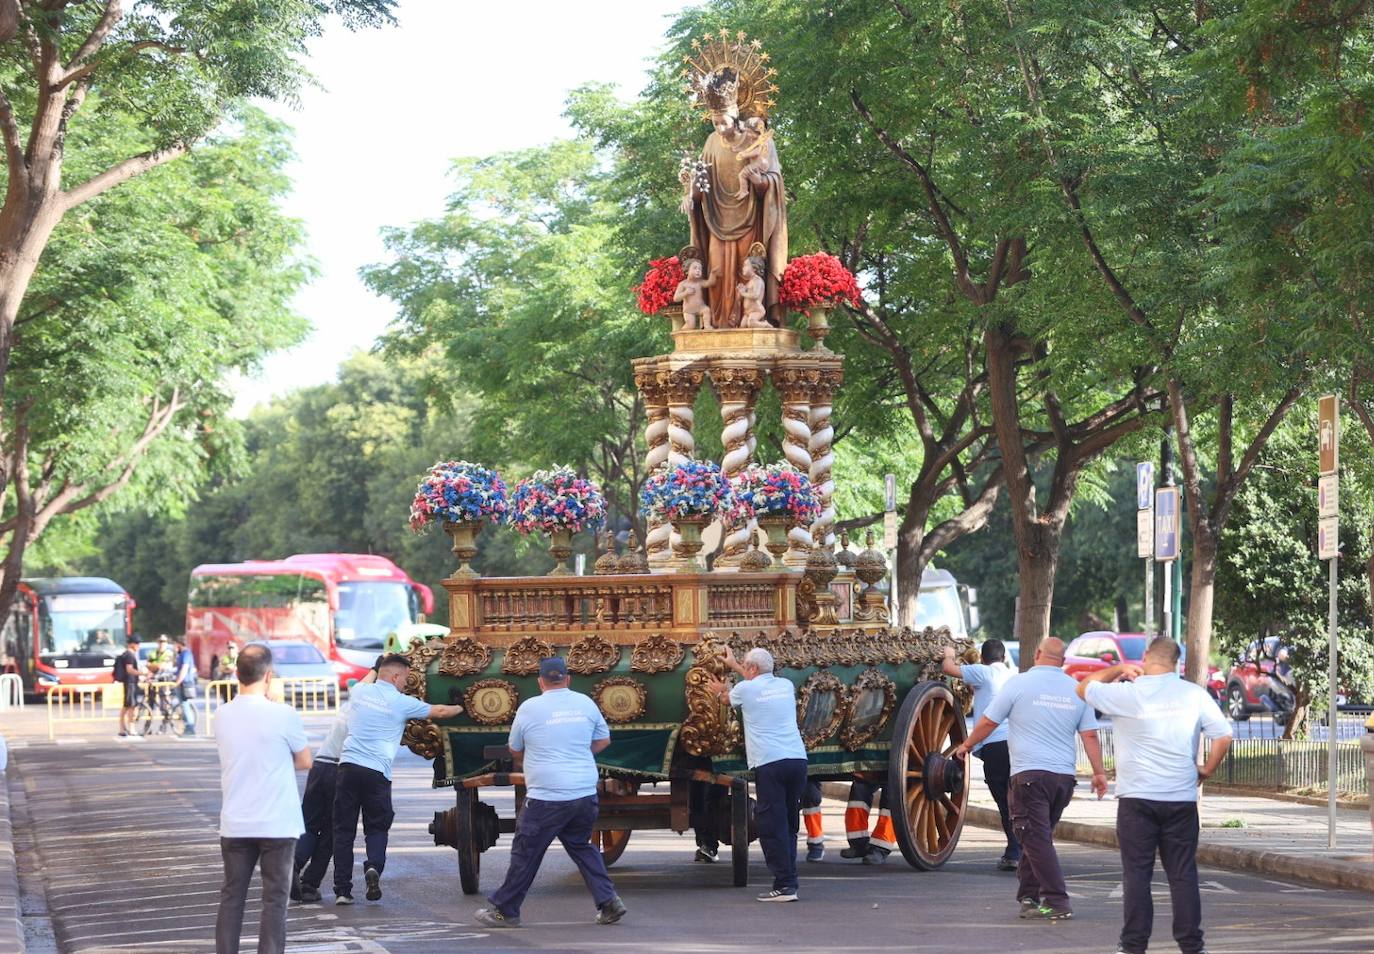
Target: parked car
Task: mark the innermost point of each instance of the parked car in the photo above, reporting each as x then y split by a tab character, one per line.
1097	650
1251	686
296	659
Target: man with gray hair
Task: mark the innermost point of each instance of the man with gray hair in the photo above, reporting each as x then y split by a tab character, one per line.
774	750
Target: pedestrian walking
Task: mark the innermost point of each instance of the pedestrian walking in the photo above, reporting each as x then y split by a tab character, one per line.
1156	720
985	678
774	751
1044	713
185	678
262	745
377	714
125	673
554	739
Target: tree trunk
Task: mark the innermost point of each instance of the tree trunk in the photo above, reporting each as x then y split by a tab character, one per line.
911	563
1201	596
1037	563
22	241
1123	611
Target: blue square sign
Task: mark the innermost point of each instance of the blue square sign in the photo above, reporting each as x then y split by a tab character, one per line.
1167	523
1144	485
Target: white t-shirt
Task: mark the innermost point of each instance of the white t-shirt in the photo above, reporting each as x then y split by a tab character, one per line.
1156	721
332	746
257	739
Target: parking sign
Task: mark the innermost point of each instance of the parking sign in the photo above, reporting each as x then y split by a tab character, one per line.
1168	523
1144	484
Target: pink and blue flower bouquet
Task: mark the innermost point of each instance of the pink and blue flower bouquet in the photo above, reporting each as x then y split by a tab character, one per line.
457	491
554	500
777	490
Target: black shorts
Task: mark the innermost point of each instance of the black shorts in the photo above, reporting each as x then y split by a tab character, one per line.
130	693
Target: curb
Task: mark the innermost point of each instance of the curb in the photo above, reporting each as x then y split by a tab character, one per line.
1328	872
11	927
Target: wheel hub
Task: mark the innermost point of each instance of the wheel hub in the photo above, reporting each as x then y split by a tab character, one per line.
942	776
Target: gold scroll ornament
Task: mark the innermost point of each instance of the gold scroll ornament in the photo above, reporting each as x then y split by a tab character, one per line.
523	655
592	654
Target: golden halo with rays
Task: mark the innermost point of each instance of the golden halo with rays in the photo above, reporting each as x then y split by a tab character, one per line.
716	51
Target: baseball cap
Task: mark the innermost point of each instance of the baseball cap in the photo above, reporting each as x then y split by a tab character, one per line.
162	639
553	669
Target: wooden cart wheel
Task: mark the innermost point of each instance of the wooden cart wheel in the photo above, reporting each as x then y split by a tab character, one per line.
927	788
611	844
739	833
465	836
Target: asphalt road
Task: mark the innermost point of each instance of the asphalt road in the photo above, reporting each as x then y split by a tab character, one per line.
122	837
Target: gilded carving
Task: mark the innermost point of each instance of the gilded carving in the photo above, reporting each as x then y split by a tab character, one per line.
620	698
806	602
822	703
871	701
710	727
737	384
491	701
844	648
423	738
522	656
792	650
872	649
592	654
420	653
658	653
463	656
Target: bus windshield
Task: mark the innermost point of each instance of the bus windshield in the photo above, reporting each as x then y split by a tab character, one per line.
369	610
81	623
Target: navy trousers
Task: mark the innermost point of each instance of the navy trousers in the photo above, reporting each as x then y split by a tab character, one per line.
997	774
778	788
539	824
368	791
316	846
1144	828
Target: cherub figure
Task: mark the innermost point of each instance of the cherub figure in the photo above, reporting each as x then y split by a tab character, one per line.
691	292
755	137
751	293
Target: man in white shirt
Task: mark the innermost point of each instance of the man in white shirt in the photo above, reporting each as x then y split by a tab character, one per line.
261	745
985	679
1156	719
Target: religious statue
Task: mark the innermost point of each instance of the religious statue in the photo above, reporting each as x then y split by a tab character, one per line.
751	289
739	201
691	291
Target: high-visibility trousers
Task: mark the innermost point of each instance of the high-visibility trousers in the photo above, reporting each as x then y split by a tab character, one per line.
856	817
811	813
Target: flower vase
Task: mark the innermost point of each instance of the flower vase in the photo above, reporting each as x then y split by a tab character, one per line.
818	325
560	548
688	544
776	527
464	534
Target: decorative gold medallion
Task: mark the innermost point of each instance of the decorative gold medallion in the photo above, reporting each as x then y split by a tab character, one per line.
822	703
491	701
463	656
592	654
658	653
620	698
422	737
871	701
522	656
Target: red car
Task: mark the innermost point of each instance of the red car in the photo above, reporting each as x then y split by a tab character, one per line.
1097	650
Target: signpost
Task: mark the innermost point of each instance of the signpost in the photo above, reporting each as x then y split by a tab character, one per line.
1328	548
1145	533
1168	528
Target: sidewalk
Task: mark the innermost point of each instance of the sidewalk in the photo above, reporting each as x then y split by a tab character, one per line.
11	928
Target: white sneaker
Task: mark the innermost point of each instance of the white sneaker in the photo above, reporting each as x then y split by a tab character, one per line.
776	895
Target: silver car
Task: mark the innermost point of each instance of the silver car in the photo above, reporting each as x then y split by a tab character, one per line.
297	659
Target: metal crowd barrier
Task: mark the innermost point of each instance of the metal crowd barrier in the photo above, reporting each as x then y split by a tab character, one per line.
91	703
313	694
11	690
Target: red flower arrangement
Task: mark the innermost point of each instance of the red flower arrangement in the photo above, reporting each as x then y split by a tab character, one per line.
820	279
660	283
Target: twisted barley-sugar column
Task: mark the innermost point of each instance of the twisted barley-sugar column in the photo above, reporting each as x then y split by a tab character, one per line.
738	389
680	387
795	385
656	436
822	455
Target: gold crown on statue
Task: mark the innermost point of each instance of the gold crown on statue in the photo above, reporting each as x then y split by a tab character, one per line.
729	74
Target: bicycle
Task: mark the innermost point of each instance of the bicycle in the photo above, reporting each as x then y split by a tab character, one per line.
158	699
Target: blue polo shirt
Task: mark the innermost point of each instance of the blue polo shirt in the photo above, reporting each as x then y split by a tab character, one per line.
377	714
1044	715
556	730
770	719
985	680
1155	722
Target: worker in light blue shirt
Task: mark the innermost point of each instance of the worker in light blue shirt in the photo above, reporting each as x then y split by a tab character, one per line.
1044	714
377	715
554	740
986	678
1156	721
774	750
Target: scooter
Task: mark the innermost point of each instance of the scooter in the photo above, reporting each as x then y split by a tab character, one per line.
1281	699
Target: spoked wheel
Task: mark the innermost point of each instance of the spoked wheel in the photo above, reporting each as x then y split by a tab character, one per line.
928	787
142	723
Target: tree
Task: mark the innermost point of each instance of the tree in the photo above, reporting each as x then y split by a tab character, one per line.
166	71
147	298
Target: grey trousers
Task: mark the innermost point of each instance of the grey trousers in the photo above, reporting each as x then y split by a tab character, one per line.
241	856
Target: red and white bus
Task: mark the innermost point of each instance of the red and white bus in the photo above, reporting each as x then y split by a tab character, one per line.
344	603
65	631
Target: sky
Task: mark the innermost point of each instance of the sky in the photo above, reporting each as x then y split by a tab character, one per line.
395	106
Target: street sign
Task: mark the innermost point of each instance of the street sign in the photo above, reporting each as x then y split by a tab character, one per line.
1144	485
1168	524
1328	496
890	530
1144	534
1328	434
890	489
1328	538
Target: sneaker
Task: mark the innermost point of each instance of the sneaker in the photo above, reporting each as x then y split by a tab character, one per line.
1007	864
374	884
1027	904
777	895
310	895
342	899
815	852
492	918
1045	913
611	912
707	855
876	857
852	852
